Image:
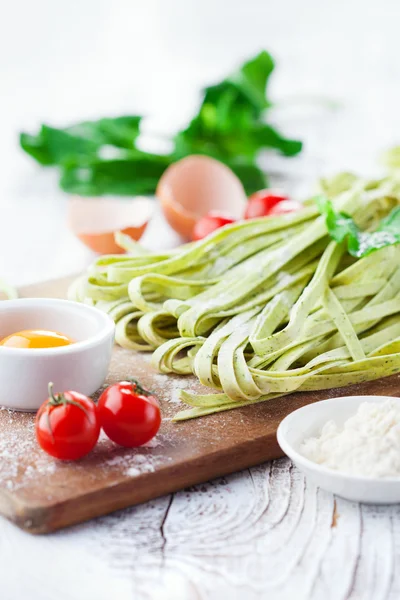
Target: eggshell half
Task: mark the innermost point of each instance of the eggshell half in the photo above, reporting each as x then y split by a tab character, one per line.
95	220
196	185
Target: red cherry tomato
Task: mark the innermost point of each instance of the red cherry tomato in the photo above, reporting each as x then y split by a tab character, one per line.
67	425
262	202
208	224
286	206
129	415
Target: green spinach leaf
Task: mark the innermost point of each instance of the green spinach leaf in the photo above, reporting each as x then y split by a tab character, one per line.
125	177
229	123
81	142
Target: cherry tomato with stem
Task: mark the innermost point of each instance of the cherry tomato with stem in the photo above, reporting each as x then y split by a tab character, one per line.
208	224
129	414
67	425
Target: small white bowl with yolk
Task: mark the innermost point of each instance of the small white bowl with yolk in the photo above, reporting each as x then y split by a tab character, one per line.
80	365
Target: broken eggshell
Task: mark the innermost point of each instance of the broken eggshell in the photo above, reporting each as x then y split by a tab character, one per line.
95	220
196	185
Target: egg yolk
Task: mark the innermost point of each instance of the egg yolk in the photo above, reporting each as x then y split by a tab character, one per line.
36	338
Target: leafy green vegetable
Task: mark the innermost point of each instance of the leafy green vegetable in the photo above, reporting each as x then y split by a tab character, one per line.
101	157
56	146
81	142
228	123
124	177
360	243
251	176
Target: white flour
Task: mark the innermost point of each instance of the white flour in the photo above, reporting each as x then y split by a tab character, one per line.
23	464
368	444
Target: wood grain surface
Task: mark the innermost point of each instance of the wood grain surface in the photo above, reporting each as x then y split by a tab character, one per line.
40	494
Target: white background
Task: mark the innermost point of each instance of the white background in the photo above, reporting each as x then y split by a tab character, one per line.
62	60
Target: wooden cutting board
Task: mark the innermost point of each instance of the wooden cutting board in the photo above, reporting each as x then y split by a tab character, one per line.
40	494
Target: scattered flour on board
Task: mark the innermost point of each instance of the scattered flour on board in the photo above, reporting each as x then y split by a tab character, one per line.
23	464
17	443
146	357
171	386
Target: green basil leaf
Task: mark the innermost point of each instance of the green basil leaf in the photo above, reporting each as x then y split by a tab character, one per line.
341	227
391	223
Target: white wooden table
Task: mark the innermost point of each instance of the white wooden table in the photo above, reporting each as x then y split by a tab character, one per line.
262	533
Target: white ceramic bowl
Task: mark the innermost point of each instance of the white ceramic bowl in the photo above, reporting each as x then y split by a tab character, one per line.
307	422
82	366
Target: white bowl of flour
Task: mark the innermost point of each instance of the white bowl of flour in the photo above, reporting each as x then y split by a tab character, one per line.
349	446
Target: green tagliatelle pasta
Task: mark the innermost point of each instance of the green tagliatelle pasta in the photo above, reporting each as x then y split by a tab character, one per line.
263	307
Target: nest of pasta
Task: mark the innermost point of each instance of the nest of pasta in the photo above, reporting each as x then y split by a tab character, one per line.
263	307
